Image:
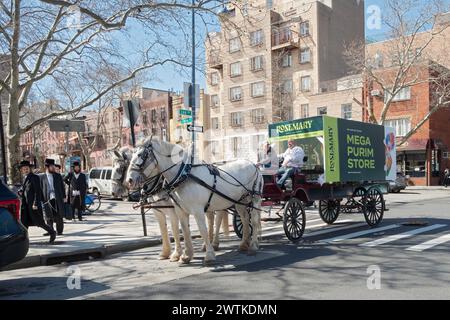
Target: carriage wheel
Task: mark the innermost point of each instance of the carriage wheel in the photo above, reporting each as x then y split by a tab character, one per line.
373	207
237	223
329	210
294	220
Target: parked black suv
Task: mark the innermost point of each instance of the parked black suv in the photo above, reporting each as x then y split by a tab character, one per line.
14	242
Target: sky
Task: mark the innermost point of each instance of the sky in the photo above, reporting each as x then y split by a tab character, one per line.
167	77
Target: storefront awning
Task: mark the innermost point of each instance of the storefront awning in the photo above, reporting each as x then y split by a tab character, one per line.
413	145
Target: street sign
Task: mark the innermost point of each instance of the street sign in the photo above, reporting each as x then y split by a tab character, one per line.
66	125
192	128
185	112
187	120
187	95
130	112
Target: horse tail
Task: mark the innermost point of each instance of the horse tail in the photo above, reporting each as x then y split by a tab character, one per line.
256	204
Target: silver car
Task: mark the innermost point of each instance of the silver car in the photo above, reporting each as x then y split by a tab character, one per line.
399	184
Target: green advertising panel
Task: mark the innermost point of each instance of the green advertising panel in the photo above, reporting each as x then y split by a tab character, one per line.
296	129
331	142
362	151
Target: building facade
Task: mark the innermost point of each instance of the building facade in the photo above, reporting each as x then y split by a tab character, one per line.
267	62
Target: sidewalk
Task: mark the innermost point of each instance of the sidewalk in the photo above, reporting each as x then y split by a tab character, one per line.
115	227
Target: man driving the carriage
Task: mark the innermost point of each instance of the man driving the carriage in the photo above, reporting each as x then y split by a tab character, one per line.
292	162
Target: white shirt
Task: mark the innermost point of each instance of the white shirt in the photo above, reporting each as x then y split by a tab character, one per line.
51	186
294	157
270	162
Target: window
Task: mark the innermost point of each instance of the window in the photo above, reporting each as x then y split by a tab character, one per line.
154	116
215	101
235	69
237	119
304	111
256	63
215	123
286	86
402	126
236	94
256	37
95	174
144	118
305	85
163	114
214	147
305	55
236	144
402	95
304	29
214	79
257	89
321	111
286	60
106	120
258	115
347	111
108	174
235	45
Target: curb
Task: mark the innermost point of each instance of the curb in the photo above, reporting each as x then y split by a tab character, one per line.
99	252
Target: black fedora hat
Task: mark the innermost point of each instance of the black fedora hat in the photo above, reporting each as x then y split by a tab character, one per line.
76	164
49	162
25	163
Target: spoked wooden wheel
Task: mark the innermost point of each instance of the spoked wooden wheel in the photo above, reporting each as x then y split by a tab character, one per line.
329	210
355	203
294	220
373	205
237	223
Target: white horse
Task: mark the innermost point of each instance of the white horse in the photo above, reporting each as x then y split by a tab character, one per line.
240	183
121	160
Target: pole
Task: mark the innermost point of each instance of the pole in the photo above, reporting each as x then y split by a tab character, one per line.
3	145
193	83
130	112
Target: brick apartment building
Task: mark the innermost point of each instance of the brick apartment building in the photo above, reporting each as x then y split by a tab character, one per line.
271	66
425	155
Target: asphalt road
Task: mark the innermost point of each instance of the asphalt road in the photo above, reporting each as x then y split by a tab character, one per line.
344	261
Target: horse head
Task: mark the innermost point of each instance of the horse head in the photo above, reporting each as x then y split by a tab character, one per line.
143	163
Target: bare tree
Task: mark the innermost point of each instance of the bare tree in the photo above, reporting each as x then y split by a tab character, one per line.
42	39
413	54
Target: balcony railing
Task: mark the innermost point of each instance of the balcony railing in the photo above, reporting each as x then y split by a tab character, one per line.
215	61
285	38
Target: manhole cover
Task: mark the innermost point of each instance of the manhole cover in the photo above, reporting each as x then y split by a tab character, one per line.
415	223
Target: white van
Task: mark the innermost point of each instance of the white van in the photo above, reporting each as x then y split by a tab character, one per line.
100	180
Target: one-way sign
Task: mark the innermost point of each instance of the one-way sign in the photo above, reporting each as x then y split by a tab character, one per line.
192	128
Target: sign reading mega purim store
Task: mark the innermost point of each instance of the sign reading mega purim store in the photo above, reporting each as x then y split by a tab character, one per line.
351	150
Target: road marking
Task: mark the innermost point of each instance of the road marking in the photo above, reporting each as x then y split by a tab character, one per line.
360	233
306	228
281	225
401	235
430	244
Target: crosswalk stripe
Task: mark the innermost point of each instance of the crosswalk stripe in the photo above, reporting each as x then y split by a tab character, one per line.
280	225
360	233
401	235
430	244
306	228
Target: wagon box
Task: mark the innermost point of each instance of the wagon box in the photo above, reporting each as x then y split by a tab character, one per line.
349	151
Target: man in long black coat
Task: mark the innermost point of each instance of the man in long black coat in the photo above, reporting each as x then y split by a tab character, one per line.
54	193
31	204
77	190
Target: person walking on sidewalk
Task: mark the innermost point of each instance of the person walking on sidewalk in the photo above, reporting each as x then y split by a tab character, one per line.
77	190
446	177
54	194
31	213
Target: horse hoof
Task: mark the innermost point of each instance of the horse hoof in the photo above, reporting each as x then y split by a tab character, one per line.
163	256
185	259
251	252
174	257
216	247
243	247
